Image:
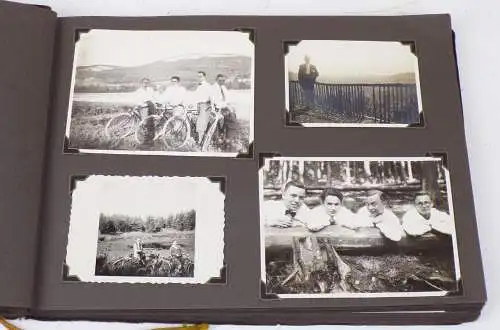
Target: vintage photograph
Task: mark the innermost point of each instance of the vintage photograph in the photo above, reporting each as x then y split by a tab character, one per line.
146	245
162	92
146	229
343	227
352	83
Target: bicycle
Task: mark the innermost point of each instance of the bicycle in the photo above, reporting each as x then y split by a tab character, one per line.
177	129
173	126
124	124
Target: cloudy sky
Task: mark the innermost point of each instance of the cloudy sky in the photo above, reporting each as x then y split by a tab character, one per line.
143	196
132	48
353	58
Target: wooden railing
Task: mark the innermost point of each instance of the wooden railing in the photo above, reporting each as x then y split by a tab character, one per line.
380	103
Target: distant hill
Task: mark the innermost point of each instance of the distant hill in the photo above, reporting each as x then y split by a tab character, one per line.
400	78
99	77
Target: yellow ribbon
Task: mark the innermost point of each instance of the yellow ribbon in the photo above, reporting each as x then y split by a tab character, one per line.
7	325
185	327
10	326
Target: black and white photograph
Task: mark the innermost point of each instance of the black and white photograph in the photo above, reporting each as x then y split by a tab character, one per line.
349	227
146	229
352	83
186	93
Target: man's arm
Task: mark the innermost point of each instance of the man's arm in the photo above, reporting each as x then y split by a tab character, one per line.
281	222
301	72
390	227
359	220
274	218
442	222
315	72
315	219
412	225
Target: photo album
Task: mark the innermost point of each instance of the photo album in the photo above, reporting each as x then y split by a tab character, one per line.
235	170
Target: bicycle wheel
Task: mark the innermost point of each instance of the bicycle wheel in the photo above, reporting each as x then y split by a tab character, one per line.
176	133
120	126
148	129
208	143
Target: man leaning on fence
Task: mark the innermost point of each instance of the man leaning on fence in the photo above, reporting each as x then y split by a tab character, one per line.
307	79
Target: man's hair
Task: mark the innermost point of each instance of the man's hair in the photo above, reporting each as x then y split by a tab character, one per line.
203	73
293	183
145	79
375	192
331	192
176	78
423	193
220	75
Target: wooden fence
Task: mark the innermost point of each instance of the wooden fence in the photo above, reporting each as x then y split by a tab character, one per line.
399	179
380	103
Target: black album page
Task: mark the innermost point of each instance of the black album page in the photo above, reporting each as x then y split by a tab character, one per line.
257	166
27	40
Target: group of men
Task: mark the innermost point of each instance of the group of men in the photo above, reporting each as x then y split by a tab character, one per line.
291	211
205	96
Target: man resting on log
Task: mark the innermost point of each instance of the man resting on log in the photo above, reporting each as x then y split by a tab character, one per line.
318	268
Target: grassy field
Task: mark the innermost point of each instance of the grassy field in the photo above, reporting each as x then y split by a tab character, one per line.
121	245
89	119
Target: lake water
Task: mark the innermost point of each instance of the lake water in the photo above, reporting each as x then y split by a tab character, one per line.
242	99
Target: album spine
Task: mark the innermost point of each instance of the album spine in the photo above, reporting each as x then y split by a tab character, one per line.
38	260
27	38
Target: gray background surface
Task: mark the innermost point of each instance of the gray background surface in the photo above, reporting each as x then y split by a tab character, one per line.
476	54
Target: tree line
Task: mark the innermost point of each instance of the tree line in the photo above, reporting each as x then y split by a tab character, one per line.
119	223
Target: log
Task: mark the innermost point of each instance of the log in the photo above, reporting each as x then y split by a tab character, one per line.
348	240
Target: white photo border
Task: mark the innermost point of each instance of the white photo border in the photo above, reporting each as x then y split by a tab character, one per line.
288	44
209	238
69	150
456	261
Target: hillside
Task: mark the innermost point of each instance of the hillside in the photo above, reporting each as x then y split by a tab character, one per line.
114	78
400	78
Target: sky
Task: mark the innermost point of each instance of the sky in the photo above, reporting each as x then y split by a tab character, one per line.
353	58
133	48
143	196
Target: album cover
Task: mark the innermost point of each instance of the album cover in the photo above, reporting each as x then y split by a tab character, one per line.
235	169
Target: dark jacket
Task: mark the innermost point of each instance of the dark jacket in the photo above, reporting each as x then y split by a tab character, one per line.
307	81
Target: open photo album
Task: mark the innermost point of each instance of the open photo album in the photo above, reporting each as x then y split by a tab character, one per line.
234	169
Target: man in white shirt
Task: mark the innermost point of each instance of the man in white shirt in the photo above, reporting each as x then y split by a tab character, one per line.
290	211
331	211
204	99
145	96
229	125
375	214
145	92
220	92
174	94
423	218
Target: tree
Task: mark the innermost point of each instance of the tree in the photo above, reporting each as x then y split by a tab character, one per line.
430	181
